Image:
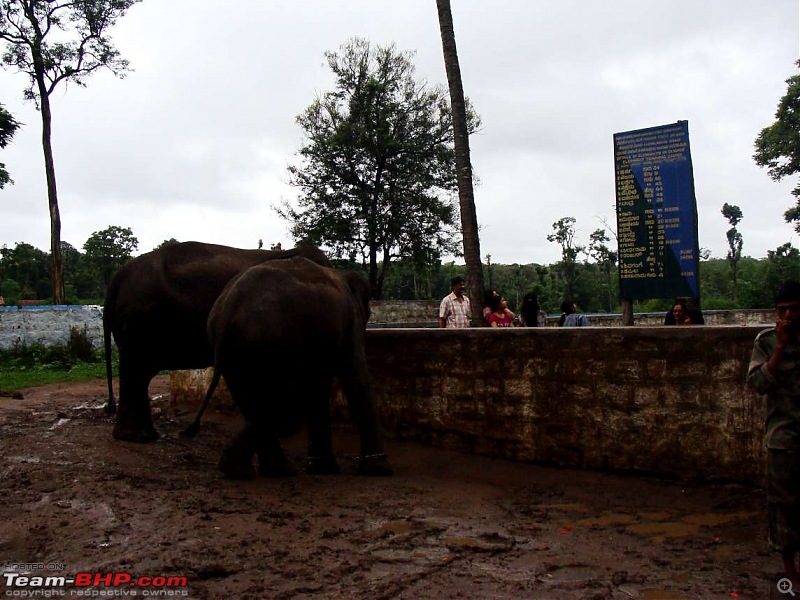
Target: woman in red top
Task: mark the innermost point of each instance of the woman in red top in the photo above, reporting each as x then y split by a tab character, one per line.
500	315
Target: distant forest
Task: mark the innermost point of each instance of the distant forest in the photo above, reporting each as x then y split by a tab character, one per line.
596	289
25	277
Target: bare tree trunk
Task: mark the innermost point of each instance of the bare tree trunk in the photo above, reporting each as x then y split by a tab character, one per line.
466	197
52	195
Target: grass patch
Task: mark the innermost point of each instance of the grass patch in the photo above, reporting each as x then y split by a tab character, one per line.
34	365
12	380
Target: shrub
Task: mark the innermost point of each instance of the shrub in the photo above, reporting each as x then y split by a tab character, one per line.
79	346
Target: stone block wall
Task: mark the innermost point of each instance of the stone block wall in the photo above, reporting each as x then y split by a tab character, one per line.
48	325
670	401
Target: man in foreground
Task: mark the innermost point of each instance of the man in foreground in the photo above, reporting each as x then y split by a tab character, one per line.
775	370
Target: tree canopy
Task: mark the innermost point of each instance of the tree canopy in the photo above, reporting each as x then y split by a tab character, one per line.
24	276
8	127
564	235
778	146
377	171
108	249
734	216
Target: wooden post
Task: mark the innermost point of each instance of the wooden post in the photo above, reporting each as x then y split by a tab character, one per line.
627	313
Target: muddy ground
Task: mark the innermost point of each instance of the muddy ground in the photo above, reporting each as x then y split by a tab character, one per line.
446	525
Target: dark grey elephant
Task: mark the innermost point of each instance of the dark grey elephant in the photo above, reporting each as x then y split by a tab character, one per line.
157	308
281	332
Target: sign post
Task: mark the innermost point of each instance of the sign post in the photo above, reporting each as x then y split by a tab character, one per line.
656	214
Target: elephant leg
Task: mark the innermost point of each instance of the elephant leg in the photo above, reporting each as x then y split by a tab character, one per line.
272	461
237	457
320	459
134	421
356	387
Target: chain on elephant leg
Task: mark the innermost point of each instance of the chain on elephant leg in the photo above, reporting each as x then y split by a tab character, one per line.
376	465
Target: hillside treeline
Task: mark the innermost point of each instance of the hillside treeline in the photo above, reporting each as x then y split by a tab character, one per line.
25	276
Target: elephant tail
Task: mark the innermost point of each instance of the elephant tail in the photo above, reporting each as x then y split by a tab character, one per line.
194	428
111	405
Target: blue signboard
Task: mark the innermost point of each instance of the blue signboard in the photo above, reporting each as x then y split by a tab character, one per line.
656	213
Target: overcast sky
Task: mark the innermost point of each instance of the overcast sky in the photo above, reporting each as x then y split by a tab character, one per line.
194	143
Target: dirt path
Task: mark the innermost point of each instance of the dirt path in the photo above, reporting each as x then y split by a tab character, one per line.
447	525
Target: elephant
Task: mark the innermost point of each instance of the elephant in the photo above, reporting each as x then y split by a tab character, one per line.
282	331
156	307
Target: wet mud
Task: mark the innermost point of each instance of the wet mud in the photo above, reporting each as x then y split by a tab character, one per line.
446	525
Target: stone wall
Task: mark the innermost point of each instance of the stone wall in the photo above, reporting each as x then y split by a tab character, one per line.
48	325
669	401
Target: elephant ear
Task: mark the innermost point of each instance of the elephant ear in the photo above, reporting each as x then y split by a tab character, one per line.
360	290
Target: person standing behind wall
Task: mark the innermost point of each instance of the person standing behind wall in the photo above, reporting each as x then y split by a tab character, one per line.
684	312
531	315
500	315
455	310
775	371
570	317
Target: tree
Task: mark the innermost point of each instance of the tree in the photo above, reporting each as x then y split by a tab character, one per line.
108	249
466	196
735	243
778	146
169	242
8	127
606	260
377	171
27	266
783	264
564	235
53	42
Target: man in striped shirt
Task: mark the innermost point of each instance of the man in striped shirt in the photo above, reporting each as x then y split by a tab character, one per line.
455	310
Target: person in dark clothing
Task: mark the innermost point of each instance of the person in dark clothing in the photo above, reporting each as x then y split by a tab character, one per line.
775	371
531	314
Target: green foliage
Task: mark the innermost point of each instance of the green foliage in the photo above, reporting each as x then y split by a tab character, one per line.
168	242
8	127
783	264
29	268
606	261
28	366
778	146
564	235
735	243
596	283
107	250
9	290
377	173
79	345
24	270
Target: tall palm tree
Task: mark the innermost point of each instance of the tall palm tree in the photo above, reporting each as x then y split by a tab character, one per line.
466	196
